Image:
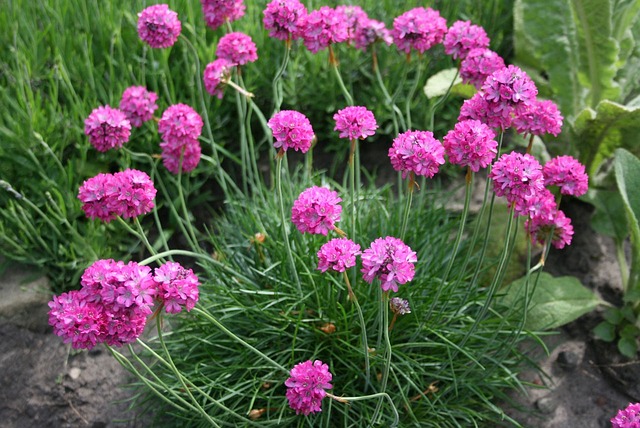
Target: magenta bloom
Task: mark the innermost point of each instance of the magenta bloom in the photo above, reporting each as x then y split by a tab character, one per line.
355	123
538	118
390	260
478	65
159	26
477	108
291	130
509	89
135	193
539	228
628	417
322	27
316	210
282	18
517	176
419	28
76	320
107	128
138	104
540	204
215	75
353	15
471	143
338	254
180	123
399	306
97	195
417	152
237	48
567	173
177	287
462	37
306	386
186	154
369	31
217	12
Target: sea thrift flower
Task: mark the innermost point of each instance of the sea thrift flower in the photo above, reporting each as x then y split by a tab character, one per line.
316	210
478	65
306	386
159	26
353	15
370	31
399	306
187	153
477	108
539	228
355	123
516	176
419	28
567	173
215	75
291	130
177	287
237	48
538	118
217	12
509	89
282	18
76	320
417	152
390	260
107	128
540	204
628	417
338	254
462	37
180	123
471	143
97	195
135	193
322	27
138	104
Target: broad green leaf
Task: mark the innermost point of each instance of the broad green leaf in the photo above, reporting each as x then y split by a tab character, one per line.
605	331
438	84
627	169
555	300
628	346
613	315
609	218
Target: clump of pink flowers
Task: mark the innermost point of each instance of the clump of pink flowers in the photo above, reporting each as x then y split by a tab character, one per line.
355	123
462	37
538	118
540	226
177	287
416	152
391	261
306	386
291	130
568	174
323	27
217	12
159	26
282	18
316	210
517	176
180	126
419	28
471	144
628	417
107	128
138	104
479	64
216	73
237	48
339	254
368	31
509	89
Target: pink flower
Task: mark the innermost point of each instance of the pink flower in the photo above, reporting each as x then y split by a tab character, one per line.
107	128
282	18
138	104
217	12
540	204
399	306
369	31
419	28
316	210
470	143
306	386
237	48
509	89
322	27
355	122
338	254
390	260
516	176
215	75
180	123
477	108
539	228
97	195
76	320
159	26
462	37
177	287
291	130
135	193
628	417
417	152
187	154
478	65
538	118
353	15
567	173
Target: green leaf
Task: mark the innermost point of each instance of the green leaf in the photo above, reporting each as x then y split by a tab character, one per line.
555	300
609	217
605	331
438	84
613	316
629	330
628	346
627	169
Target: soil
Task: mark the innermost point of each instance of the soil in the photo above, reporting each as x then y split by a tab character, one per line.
42	384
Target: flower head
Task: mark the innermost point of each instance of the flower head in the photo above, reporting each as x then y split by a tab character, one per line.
471	143
107	128
369	31
509	89
399	306
76	320
180	123
159	26
516	176
355	122
97	195
338	254
390	260
419	28
282	18
628	417
217	12
353	15
135	193
538	118
539	228
306	386
479	64
462	37
181	157
477	108
138	104
237	48
215	75
177	287
567	173
322	27
291	130
417	152
316	210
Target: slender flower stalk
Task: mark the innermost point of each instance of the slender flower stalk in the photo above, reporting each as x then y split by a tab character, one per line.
363	328
284	221
381	395
278	92
387	353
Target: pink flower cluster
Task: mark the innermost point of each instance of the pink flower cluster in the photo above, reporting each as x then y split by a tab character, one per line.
567	173
419	28
417	152
316	210
390	260
339	254
538	118
478	65
291	130
282	18
628	417
237	48
509	87
306	386
355	122
322	27
217	12
180	126
159	26
368	31
215	75
107	128
129	193
517	177
462	37
471	144
138	104
177	287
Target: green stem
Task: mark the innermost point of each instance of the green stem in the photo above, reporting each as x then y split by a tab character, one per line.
283	220
278	93
363	326
369	397
387	352
396	113
137	233
183	205
343	88
407	206
412	92
432	110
